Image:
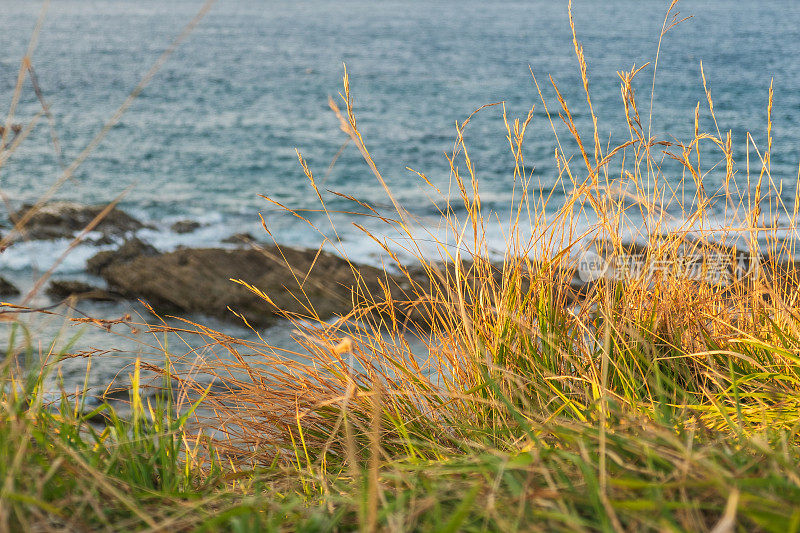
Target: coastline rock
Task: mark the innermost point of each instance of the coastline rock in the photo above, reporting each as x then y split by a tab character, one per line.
130	250
64	220
239	238
7	288
185	226
198	281
63	289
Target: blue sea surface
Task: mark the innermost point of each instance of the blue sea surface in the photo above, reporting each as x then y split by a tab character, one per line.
219	124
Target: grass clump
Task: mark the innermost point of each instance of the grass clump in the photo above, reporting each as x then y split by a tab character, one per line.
666	400
486	394
68	464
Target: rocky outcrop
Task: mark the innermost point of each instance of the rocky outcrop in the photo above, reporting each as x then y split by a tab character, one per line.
185	226
63	289
199	281
64	220
7	288
239	238
130	250
289	281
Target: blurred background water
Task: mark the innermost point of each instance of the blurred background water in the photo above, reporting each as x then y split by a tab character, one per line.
219	124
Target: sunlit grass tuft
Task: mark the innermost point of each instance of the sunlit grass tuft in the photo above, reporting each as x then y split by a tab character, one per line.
665	400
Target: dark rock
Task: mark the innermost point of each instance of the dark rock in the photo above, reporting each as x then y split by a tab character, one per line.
64	220
130	250
62	289
239	238
103	240
7	288
198	281
185	226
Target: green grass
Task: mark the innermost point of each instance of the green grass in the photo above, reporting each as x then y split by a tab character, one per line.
144	473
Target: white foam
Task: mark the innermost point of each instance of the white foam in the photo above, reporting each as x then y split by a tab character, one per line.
42	255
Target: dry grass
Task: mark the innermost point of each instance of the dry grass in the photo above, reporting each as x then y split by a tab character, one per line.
655	401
